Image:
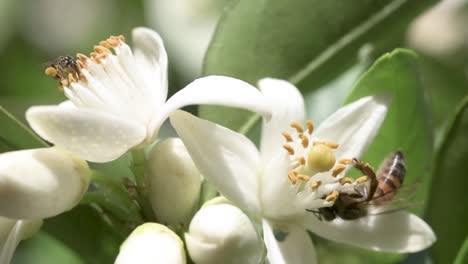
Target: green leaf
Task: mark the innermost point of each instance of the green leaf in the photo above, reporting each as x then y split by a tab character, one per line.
14	135
462	256
449	189
406	126
84	230
308	42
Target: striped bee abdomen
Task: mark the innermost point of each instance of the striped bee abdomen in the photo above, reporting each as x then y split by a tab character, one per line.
390	176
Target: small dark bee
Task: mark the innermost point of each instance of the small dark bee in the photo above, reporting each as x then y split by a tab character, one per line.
353	203
62	69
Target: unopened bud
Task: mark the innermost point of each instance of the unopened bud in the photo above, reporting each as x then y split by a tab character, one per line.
222	233
152	243
174	182
40	183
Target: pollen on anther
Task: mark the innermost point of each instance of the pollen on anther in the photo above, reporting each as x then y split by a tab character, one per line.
121	37
301	160
106	44
298	127
332	196
345	161
292	175
315	185
345	180
287	136
303	177
310	127
71	78
362	179
304	141
331	145
288	148
338	169
51	71
102	49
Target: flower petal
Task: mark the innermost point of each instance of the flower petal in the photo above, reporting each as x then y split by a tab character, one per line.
40	183
151	58
11	234
91	135
152	243
287	106
216	90
289	245
354	126
398	232
229	160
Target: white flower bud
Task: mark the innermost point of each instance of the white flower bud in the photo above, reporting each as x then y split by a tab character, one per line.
152	243
12	232
174	182
40	183
222	233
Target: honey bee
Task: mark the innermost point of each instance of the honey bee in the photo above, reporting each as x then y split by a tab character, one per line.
61	68
353	203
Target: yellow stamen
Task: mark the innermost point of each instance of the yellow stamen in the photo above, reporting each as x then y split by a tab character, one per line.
292	175
362	179
102	49
304	140
298	127
287	136
345	180
338	169
310	127
51	71
314	185
332	196
303	177
320	158
121	37
71	78
289	149
345	161
331	145
301	160
106	44
64	82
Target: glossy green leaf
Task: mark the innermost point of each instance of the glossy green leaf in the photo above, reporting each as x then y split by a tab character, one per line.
407	125
308	42
14	135
446	212
462	256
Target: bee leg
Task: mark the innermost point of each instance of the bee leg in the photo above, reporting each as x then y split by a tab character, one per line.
367	170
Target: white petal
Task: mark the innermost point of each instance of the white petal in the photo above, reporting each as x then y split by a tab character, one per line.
91	135
227	159
287	106
399	232
277	194
152	243
12	232
290	245
354	126
222	233
40	183
151	57
216	90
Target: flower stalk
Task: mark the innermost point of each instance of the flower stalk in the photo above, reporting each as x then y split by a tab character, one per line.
137	167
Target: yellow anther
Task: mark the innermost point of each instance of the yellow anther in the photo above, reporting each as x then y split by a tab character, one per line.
362	179
82	57
106	44
320	158
301	160
314	185
338	169
310	127
101	49
51	71
64	82
331	145
292	175
289	149
121	37
303	177
71	78
298	127
287	136
345	180
113	41
345	161
304	140
332	196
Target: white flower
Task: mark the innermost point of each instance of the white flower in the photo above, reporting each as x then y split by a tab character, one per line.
222	233
12	232
174	182
118	101
277	186
40	183
152	243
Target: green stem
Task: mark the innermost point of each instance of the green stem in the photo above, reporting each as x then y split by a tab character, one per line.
138	168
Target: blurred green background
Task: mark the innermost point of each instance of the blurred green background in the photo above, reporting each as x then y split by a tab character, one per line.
33	32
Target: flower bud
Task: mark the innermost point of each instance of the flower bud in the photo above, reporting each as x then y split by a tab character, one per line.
40	183
222	233
12	232
152	243
174	182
